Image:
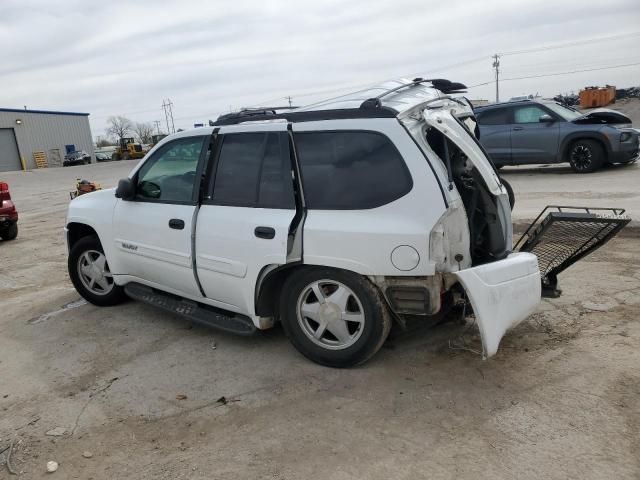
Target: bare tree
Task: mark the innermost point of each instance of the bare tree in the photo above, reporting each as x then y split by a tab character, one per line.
119	127
144	132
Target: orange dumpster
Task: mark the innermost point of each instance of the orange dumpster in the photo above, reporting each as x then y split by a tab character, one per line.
592	97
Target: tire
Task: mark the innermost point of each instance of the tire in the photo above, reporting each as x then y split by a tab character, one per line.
585	156
125	156
85	253
115	157
317	332
512	196
10	233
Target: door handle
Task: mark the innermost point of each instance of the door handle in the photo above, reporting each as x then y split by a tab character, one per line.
176	224
517	128
265	232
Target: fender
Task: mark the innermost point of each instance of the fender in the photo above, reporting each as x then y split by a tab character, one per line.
591	135
95	210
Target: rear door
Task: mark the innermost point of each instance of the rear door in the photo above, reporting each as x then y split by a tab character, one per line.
153	232
533	141
495	134
243	223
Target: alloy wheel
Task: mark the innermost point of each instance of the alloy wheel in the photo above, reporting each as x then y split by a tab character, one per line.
330	314
94	272
581	157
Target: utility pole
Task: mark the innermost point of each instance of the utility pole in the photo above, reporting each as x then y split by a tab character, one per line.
496	65
289	99
157	122
167	106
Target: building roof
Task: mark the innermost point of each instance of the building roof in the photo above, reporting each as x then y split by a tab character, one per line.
44	112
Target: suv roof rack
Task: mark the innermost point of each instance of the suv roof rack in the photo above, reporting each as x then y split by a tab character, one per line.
305	115
244	113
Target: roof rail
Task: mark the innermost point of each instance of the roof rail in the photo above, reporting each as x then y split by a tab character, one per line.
307	115
246	113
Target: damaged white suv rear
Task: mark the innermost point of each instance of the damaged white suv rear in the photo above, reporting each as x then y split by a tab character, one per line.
335	219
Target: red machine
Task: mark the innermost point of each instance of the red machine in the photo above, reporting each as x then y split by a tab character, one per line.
8	214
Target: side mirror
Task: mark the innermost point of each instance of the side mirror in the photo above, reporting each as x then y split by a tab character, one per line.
126	189
546	118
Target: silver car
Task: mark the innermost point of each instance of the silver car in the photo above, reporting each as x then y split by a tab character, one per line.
544	131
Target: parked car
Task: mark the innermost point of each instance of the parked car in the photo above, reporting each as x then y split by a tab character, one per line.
79	157
103	157
8	214
544	131
335	219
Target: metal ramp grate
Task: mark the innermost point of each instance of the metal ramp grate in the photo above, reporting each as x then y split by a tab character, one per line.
567	234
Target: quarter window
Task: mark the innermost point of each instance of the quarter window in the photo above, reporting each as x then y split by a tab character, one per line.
528	114
254	170
350	170
170	174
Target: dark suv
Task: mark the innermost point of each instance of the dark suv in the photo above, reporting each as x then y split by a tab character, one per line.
544	131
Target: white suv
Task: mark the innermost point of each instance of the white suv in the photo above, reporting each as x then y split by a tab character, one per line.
335	219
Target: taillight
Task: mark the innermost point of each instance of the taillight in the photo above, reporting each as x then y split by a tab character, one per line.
4	191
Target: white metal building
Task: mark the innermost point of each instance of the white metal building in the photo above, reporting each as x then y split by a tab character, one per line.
27	134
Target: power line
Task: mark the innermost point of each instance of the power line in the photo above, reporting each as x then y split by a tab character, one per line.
555	74
570	44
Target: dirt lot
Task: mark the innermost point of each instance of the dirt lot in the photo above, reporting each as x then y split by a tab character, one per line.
149	396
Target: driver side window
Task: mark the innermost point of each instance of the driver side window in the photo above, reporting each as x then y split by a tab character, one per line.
170	174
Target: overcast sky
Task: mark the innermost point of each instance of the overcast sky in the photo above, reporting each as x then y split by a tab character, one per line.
121	57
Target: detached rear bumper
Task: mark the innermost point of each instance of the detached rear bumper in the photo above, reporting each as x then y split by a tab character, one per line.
503	294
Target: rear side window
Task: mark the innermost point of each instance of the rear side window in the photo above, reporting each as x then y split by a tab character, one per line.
350	170
495	116
254	170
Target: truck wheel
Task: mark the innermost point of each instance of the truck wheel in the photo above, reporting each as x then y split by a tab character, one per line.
585	156
90	274
115	157
334	318
10	233
125	156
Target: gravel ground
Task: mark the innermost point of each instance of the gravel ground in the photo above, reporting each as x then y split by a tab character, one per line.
141	393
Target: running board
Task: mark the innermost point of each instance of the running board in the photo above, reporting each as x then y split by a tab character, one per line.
566	235
194	311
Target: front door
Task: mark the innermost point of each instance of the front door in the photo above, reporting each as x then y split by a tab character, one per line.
533	141
153	232
243	223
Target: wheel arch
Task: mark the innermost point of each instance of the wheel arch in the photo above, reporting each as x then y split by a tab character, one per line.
271	280
78	230
574	137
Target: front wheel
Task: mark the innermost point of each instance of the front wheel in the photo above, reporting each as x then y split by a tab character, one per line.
586	156
333	317
90	273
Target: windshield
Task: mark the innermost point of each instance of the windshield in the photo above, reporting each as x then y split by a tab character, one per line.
565	112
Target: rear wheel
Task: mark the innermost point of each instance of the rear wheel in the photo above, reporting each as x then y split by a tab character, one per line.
10	233
90	273
333	317
586	156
